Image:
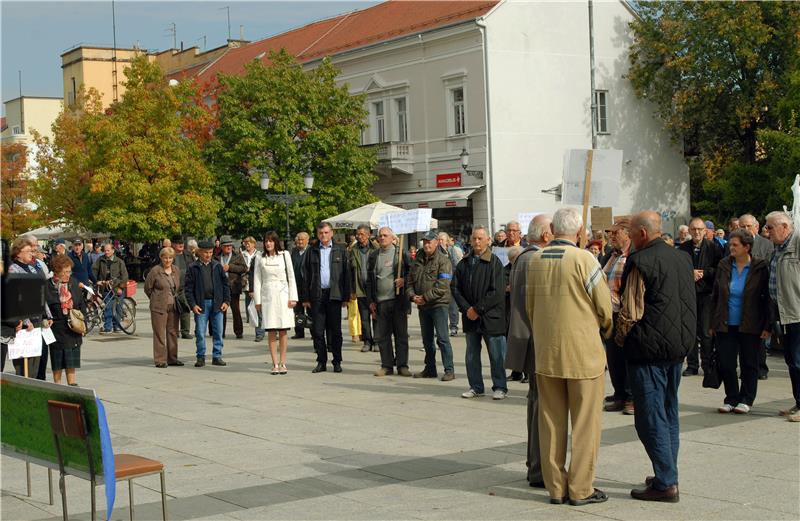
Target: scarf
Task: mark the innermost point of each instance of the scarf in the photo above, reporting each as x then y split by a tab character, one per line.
64	295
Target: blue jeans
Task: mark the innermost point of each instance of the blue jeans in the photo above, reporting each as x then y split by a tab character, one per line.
496	345
430	320
259	330
108	315
454	314
201	323
655	397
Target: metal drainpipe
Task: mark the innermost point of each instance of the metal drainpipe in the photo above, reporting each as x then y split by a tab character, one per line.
489	170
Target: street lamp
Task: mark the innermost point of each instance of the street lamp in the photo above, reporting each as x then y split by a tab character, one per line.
285	198
465	164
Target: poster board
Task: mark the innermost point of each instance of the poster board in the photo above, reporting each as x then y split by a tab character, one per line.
606	170
524	219
407	221
602	218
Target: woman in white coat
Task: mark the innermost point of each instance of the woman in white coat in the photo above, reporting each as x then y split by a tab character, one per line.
275	294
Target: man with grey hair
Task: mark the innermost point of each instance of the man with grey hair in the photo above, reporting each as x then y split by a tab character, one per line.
569	306
454	253
520	352
683	235
388	305
514	235
359	254
784	290
762	248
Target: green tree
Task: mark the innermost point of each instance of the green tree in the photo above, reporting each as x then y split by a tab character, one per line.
717	72
16	215
288	121
132	170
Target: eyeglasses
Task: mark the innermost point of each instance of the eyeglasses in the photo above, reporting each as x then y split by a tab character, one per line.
697	229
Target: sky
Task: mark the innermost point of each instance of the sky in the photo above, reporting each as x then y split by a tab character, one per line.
35	33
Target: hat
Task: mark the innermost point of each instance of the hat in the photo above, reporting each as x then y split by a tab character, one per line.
177	239
205	245
77	241
709	225
430	236
226	240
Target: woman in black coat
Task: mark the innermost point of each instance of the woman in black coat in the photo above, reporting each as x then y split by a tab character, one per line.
63	294
739	318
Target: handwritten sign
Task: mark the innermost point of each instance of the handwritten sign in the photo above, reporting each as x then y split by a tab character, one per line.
502	254
408	221
26	344
606	172
525	219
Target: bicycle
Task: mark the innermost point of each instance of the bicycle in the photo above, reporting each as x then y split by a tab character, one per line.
123	309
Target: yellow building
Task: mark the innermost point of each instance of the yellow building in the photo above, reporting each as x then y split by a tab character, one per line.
29	113
104	67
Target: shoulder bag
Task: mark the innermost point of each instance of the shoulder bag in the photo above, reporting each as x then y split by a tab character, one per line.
76	321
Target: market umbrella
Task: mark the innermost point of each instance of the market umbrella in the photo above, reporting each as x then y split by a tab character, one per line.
369	214
59	230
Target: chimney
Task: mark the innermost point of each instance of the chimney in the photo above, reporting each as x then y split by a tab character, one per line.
181	45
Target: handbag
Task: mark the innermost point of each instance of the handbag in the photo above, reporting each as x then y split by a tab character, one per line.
711	378
76	321
303	320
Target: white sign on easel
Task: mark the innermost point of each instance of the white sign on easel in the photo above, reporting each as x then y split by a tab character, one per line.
408	221
525	219
26	344
606	171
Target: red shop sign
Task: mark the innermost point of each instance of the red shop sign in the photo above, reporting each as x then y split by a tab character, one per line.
448	180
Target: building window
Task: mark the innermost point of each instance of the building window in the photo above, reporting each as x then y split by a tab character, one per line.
380	122
402	120
458	111
601	111
16	130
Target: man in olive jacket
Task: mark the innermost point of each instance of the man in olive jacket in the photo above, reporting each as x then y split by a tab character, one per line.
479	290
428	286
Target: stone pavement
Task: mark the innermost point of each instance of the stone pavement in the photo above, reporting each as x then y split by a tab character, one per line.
240	443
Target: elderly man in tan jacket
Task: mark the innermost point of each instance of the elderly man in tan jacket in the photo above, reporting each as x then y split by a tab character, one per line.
569	305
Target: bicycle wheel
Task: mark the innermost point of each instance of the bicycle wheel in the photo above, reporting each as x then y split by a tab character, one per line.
125	313
93	317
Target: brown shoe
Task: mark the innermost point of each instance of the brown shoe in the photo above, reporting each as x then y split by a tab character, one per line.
403	371
425	374
383	371
448	376
615	406
627	408
670	495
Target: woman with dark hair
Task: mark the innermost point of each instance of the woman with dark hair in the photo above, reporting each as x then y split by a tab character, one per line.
275	294
62	295
739	319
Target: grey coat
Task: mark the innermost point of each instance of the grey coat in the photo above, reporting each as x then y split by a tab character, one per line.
762	248
519	356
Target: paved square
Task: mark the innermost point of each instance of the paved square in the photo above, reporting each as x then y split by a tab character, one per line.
240	443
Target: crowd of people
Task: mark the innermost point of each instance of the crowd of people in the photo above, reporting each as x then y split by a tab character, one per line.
557	315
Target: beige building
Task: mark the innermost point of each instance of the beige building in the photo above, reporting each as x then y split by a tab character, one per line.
29	113
104	67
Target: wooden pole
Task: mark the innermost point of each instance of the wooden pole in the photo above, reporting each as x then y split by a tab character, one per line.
399	262
25	369
587	182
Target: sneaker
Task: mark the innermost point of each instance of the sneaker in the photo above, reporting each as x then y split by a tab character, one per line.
453	331
499	395
201	362
627	408
448	376
794	417
365	348
789	412
725	409
471	394
742	408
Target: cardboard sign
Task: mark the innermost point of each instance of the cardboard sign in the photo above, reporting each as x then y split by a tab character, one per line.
601	218
605	180
409	221
26	344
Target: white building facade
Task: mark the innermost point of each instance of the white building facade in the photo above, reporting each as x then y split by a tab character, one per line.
513	89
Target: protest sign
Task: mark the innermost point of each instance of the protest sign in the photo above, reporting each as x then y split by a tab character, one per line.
26	344
601	219
525	219
604	174
407	221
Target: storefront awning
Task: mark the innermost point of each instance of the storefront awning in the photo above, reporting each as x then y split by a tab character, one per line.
432	198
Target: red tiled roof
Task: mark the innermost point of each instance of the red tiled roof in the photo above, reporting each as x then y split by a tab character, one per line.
385	21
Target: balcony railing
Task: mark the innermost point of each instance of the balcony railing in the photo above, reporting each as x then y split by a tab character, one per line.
394	158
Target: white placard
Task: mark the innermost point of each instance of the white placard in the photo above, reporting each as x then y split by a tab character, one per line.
606	172
26	344
525	219
408	221
252	312
501	253
48	336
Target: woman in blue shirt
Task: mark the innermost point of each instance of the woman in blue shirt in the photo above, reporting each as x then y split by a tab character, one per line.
740	303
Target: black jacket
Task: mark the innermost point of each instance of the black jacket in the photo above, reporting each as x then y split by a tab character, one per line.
310	289
372	278
297	265
195	289
667	329
710	255
65	337
482	287
755	301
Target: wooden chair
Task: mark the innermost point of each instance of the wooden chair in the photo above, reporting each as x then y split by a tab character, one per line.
67	421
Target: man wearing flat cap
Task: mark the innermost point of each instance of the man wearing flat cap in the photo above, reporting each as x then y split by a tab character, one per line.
619	236
235	268
209	296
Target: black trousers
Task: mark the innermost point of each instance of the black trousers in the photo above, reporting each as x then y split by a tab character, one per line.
392	320
326	317
703	339
745	347
41	372
366	322
617	367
